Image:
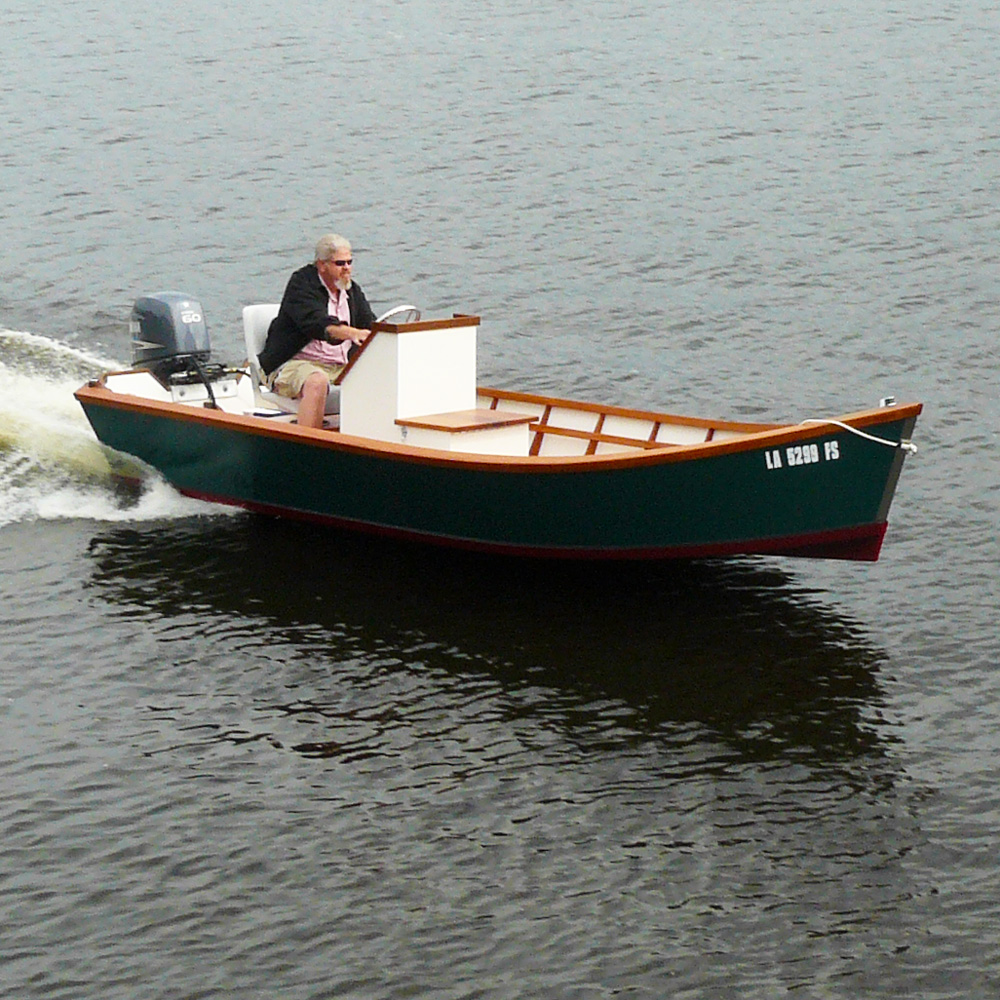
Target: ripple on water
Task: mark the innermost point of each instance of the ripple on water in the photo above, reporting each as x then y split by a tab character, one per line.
404	776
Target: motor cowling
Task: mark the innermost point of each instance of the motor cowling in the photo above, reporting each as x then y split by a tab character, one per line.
169	333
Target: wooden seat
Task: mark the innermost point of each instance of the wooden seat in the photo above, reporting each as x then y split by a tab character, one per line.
466	420
488	432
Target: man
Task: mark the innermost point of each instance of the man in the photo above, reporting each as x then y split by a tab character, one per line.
323	314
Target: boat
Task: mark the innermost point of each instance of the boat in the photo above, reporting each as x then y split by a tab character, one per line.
413	448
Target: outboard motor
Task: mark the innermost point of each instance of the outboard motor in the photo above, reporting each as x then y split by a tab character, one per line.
169	334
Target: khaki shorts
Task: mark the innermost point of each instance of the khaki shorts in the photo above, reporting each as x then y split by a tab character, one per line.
289	379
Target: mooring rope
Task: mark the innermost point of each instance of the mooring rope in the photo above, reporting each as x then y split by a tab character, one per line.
908	446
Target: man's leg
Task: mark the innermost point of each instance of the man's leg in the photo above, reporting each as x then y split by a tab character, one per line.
313	400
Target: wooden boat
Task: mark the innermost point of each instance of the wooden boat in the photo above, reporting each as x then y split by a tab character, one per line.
419	451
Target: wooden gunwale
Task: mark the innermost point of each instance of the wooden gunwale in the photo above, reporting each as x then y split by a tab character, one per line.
755	436
624	411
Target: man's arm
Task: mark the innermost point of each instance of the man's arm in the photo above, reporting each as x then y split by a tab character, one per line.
361	313
362	318
306	304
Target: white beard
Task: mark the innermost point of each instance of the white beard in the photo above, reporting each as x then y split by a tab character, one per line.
342	284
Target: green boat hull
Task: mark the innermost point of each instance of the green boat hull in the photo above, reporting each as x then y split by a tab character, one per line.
736	498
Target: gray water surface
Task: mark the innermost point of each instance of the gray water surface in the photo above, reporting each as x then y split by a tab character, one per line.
241	758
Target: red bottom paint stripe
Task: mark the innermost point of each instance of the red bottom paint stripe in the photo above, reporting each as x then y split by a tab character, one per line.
861	542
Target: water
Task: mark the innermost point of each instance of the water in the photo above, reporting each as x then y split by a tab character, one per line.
245	758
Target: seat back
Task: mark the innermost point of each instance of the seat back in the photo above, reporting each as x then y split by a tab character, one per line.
256	320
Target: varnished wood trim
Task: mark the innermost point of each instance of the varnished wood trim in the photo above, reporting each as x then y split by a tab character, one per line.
622	411
457	321
781	434
466	420
353	359
536	442
597	438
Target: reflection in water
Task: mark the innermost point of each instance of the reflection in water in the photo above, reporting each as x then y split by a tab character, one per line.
606	653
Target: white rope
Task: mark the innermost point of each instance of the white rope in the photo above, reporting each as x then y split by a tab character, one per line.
908	446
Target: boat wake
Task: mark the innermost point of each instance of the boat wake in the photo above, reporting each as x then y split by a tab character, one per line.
51	464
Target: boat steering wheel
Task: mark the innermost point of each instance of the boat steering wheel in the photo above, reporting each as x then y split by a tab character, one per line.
411	314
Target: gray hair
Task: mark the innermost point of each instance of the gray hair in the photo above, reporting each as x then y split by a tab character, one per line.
327	246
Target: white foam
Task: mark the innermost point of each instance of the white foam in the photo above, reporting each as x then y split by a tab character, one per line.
158	501
50	350
51	464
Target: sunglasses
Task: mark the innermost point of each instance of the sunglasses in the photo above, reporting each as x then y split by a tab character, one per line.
343	263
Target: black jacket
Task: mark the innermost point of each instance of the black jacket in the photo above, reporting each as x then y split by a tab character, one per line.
304	316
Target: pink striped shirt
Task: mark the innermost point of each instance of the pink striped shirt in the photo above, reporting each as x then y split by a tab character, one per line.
320	350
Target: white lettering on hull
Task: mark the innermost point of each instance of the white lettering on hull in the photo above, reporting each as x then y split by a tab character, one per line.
802	454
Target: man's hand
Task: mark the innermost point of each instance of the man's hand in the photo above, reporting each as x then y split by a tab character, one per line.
345	332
